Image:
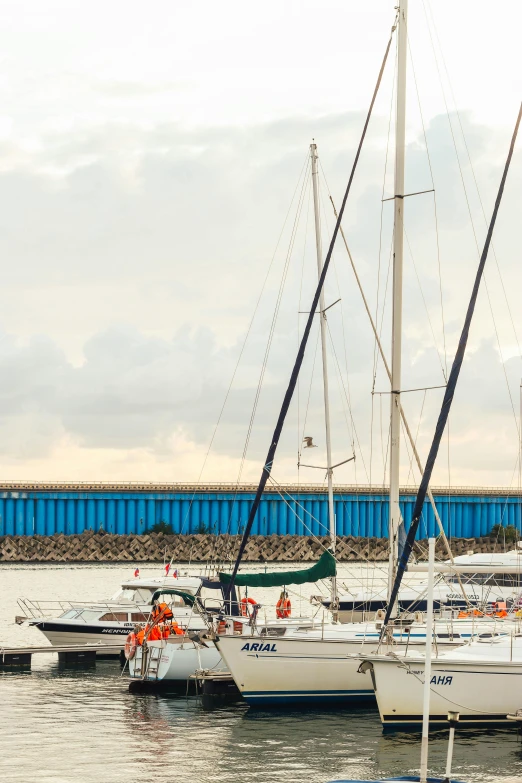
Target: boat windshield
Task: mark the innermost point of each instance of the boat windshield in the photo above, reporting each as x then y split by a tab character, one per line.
134	595
70	614
82	615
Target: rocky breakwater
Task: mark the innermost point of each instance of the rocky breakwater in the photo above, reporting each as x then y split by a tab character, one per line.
103	547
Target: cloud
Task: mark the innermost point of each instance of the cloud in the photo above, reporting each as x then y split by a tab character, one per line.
134	259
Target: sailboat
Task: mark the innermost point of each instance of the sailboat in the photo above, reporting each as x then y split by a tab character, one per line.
452	717
317	664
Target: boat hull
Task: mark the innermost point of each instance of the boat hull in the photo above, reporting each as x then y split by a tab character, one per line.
304	668
60	634
482	693
172	661
294	671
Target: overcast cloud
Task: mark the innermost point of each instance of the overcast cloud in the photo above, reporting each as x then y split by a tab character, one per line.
147	167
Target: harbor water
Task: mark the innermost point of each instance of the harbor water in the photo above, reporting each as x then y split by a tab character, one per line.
59	725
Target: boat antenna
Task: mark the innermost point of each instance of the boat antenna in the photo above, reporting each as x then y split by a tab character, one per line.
449	393
304	339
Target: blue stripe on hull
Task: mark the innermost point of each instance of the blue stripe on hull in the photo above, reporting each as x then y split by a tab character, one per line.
464	723
310	697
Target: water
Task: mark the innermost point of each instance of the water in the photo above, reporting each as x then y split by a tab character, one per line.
62	725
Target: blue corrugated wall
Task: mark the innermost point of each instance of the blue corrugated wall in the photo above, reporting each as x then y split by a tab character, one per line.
45	513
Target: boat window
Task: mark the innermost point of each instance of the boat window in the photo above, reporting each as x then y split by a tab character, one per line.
137	596
139	617
448	635
506	580
273	631
69	614
114	617
89	615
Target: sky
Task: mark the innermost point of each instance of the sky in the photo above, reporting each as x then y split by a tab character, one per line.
154	182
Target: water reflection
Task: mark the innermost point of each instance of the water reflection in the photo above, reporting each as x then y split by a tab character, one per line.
61	725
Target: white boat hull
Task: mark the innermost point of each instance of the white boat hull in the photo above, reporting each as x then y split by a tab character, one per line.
306	668
483	693
171	661
61	632
63	635
289	671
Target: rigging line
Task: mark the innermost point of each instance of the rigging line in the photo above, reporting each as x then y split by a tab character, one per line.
450	390
269	341
472	225
299	358
474	177
343	329
256	308
386	289
279	489
387	449
425	305
300	451
443	324
390	114
344	393
272	327
448	455
280	492
388	372
298	321
354	428
410	471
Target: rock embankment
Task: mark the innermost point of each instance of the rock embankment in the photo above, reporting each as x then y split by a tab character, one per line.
102	547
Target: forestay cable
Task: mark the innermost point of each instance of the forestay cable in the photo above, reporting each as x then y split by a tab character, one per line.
300	354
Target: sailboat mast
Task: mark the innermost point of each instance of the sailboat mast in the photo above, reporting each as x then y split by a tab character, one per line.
322	319
395	519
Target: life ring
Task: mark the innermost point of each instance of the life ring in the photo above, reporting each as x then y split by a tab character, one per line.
131	642
283	608
244	606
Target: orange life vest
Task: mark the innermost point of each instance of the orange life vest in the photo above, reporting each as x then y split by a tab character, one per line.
162	611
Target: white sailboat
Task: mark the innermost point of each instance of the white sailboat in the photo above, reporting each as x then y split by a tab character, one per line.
452	716
311	665
479	679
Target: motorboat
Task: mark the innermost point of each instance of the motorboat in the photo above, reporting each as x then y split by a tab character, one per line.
476	580
109	621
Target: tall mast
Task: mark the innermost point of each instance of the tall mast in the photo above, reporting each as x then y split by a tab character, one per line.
322	319
395	519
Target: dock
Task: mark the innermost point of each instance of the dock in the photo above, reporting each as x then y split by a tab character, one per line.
86	653
216	685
